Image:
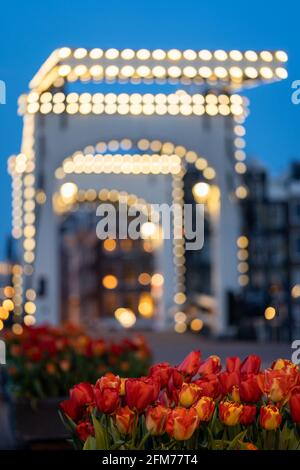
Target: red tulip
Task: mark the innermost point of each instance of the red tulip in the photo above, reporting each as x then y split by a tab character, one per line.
248	415
162	370
71	409
295	407
212	365
270	417
107	400
233	364
230	412
205	407
228	380
82	394
84	430
156	419
190	364
124	419
249	390
188	394
251	365
140	393
210	386
182	423
174	384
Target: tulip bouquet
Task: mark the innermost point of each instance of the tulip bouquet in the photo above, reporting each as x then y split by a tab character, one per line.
195	406
45	361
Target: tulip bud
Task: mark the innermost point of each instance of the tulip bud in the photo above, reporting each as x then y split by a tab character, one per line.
270	417
189	394
212	365
235	394
156	419
230	412
205	408
124	419
122	388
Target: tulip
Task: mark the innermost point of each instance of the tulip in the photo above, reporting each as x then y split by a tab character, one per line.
107	400
247	446
174	384
84	430
188	394
108	380
295	407
210	386
235	394
284	364
228	380
212	365
71	409
124	419
233	364
230	412
270	417
190	364
248	415
251	365
140	393
205	408
82	394
162	370
277	384
156	419
182	423
249	389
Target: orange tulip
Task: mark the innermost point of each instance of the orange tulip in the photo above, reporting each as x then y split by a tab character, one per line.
124	419
156	419
108	380
270	417
205	408
182	423
277	384
230	412
188	394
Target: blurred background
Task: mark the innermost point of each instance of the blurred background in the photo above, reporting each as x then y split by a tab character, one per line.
238	137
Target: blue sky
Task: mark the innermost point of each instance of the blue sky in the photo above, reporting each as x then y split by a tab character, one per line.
31	30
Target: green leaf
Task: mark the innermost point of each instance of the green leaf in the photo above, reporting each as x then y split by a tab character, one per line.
234	442
100	435
90	444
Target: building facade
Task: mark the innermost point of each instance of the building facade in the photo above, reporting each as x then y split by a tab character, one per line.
177	119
